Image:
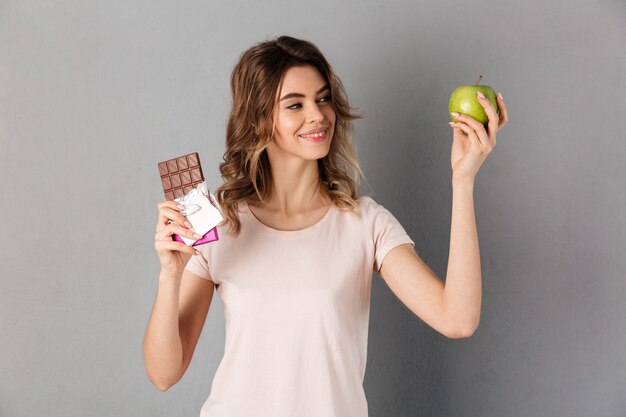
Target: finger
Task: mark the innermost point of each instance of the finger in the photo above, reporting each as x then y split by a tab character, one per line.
471	134
164	204
168	203
168	214
174	205
478	127
166	232
171	245
491	114
503	116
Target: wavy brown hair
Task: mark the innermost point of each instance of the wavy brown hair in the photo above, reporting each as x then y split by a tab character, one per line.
255	84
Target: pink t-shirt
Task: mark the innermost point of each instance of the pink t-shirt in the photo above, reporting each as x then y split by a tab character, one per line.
296	306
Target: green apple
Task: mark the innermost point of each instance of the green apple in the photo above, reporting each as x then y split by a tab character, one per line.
464	100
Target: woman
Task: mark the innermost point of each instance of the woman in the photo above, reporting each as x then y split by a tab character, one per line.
294	267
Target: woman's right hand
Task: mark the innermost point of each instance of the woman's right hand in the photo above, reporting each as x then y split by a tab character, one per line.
173	255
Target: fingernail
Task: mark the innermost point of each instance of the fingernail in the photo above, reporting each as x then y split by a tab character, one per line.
500	95
451	123
196	236
187	224
180	206
455	114
481	95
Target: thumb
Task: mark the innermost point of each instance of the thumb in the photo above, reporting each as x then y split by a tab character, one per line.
459	137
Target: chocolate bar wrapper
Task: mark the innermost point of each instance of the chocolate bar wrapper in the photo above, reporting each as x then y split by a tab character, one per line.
204	214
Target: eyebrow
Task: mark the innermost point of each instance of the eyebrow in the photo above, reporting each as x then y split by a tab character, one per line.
290	95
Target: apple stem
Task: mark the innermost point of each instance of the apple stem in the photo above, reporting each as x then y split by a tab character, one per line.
479	78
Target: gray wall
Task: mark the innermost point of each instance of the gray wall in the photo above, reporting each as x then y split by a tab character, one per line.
93	94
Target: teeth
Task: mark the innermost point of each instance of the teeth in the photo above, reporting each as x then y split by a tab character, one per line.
315	135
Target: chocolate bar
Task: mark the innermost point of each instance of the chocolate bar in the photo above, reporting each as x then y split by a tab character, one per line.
183	181
180	175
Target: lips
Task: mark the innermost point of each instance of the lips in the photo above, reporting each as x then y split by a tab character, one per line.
310	132
316	137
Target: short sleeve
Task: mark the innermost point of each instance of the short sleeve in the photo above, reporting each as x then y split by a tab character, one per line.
199	266
387	232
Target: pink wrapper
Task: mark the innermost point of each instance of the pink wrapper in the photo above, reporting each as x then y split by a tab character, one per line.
209	236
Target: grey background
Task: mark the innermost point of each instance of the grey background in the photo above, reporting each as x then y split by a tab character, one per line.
94	94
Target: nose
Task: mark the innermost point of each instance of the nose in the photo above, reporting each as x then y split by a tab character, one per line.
315	114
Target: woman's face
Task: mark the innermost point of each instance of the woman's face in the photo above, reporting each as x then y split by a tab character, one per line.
304	105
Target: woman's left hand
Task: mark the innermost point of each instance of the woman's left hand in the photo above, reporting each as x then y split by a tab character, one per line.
472	143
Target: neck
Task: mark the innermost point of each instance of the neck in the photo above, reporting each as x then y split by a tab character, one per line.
297	190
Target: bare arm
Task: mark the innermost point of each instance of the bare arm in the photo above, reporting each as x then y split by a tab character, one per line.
453	309
177	318
462	294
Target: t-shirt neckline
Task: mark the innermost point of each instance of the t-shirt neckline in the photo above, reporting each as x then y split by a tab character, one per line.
286	233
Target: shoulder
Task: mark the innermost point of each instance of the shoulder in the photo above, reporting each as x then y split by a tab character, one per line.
368	204
369	211
376	215
359	205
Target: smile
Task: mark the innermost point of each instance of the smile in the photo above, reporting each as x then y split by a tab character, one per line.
316	137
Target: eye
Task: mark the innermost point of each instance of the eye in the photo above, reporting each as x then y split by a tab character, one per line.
325	99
